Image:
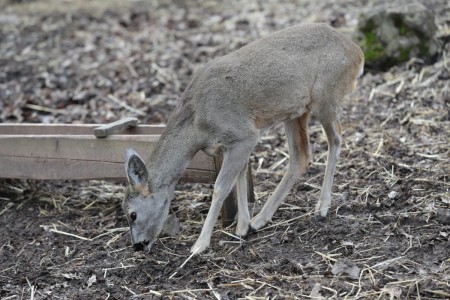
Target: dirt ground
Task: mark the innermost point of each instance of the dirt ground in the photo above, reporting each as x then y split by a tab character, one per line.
387	235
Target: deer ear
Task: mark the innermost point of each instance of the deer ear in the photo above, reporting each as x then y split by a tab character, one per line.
136	169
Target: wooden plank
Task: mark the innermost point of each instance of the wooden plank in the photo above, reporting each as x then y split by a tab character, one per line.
25	156
70	129
115	127
55	169
89	148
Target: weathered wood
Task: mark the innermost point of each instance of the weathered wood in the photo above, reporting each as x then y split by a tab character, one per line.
80	147
250	188
57	168
83	157
115	127
71	129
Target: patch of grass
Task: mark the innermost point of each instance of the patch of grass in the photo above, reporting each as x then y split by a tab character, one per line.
373	50
404	54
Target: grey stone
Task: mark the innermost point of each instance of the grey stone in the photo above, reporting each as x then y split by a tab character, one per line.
391	34
346	266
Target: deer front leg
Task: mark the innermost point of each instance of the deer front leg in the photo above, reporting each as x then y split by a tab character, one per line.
234	160
243	213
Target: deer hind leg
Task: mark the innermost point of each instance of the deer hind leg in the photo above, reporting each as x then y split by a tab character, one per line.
234	162
305	155
299	158
332	128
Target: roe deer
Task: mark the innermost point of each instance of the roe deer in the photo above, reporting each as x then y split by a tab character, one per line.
283	77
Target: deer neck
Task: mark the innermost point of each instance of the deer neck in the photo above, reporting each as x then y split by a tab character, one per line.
172	154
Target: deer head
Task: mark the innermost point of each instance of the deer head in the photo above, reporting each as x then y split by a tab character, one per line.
145	208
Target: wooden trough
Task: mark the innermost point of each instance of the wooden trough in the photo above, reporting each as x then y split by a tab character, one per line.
90	151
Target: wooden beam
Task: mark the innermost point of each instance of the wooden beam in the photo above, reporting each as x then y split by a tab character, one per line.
84	157
61	169
70	129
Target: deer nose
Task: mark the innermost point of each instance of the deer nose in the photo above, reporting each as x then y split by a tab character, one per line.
140	246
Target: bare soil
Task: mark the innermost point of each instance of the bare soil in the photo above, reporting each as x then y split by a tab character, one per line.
387	235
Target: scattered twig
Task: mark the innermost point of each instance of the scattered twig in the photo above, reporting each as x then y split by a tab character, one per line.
126	106
54	230
182	265
32	289
46	109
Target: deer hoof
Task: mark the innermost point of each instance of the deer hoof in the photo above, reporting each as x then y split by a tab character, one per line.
319	219
257	223
242	230
199	247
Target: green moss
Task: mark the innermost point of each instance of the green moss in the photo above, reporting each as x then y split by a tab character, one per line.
373	50
400	25
404	54
423	45
403	30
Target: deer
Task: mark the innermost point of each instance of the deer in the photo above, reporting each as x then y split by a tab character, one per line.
284	77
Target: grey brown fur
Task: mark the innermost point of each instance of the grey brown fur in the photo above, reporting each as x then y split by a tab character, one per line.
283	77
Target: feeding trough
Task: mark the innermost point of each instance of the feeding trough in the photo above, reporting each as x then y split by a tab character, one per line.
92	151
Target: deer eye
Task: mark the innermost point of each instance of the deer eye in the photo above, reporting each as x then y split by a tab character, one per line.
133	216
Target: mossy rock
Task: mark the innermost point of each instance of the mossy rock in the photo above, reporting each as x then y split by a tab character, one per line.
394	34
